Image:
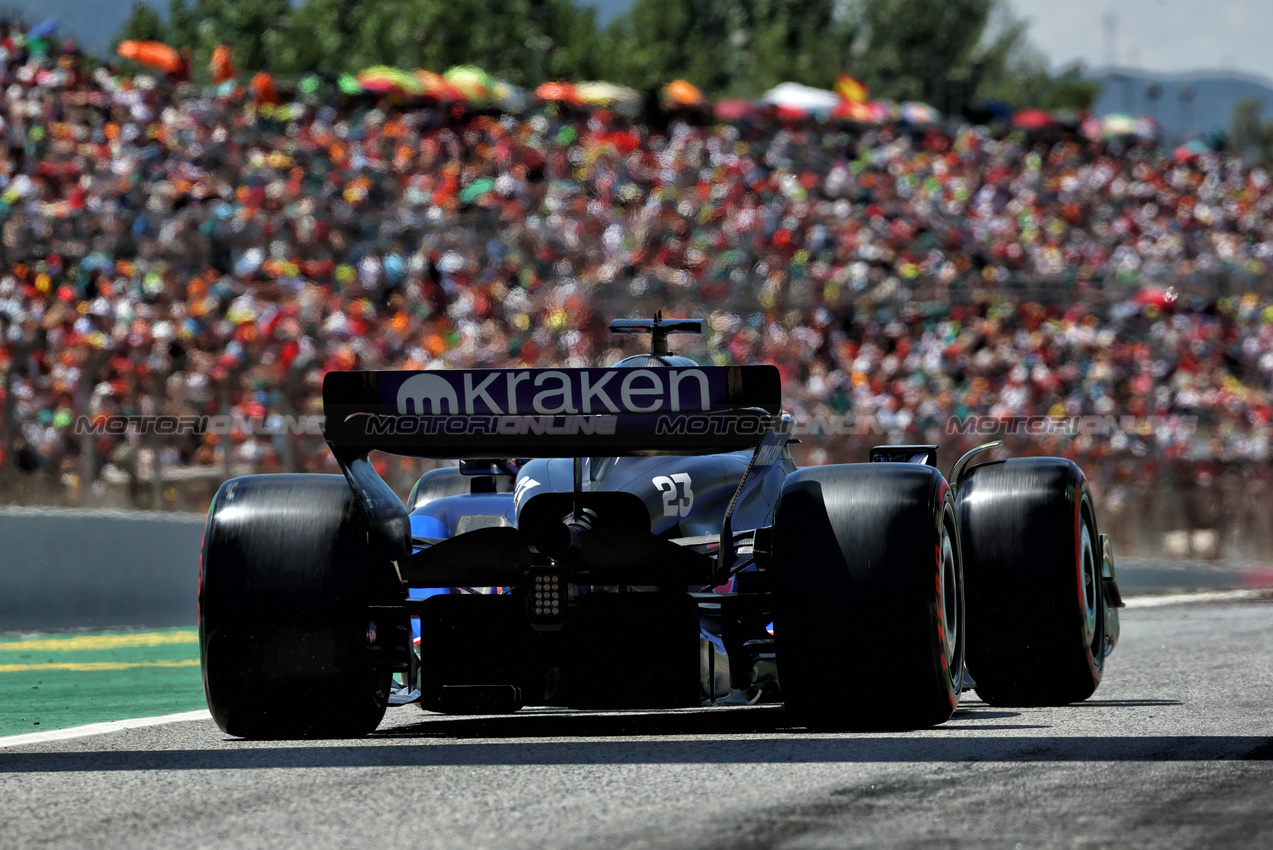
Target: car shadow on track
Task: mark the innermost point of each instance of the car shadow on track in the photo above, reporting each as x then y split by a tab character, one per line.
562	723
821	749
755	735
1124	703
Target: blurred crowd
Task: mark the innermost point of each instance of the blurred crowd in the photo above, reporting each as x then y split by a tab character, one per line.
168	250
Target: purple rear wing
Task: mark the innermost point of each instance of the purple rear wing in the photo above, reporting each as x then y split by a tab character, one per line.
551	412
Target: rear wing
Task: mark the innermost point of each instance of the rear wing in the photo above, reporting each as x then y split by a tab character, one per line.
484	413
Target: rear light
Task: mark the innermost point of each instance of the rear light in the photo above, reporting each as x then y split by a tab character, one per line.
546	598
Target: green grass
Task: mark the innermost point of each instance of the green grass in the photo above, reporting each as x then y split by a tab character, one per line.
58	681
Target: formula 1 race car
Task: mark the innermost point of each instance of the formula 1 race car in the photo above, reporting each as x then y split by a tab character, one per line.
655	547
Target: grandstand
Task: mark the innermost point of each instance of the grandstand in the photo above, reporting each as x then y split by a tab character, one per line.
166	251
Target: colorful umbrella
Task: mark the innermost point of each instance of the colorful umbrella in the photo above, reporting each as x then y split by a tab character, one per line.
606	94
989	112
1033	119
383	79
919	113
682	93
557	92
153	54
791	113
435	86
472	82
348	84
1118	124
734	110
800	98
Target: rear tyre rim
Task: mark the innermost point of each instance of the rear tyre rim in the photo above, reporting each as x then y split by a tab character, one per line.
948	599
1087	559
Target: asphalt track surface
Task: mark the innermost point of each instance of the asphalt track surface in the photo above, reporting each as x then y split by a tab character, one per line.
1176	748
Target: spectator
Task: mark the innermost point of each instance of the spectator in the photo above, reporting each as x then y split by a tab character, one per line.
169	251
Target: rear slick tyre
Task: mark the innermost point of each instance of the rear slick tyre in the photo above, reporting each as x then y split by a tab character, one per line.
868	597
1036	618
289	645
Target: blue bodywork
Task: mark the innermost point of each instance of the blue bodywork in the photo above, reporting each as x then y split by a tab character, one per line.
437	519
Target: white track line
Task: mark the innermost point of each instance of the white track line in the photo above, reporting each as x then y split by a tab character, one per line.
204	714
1198	596
101	728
